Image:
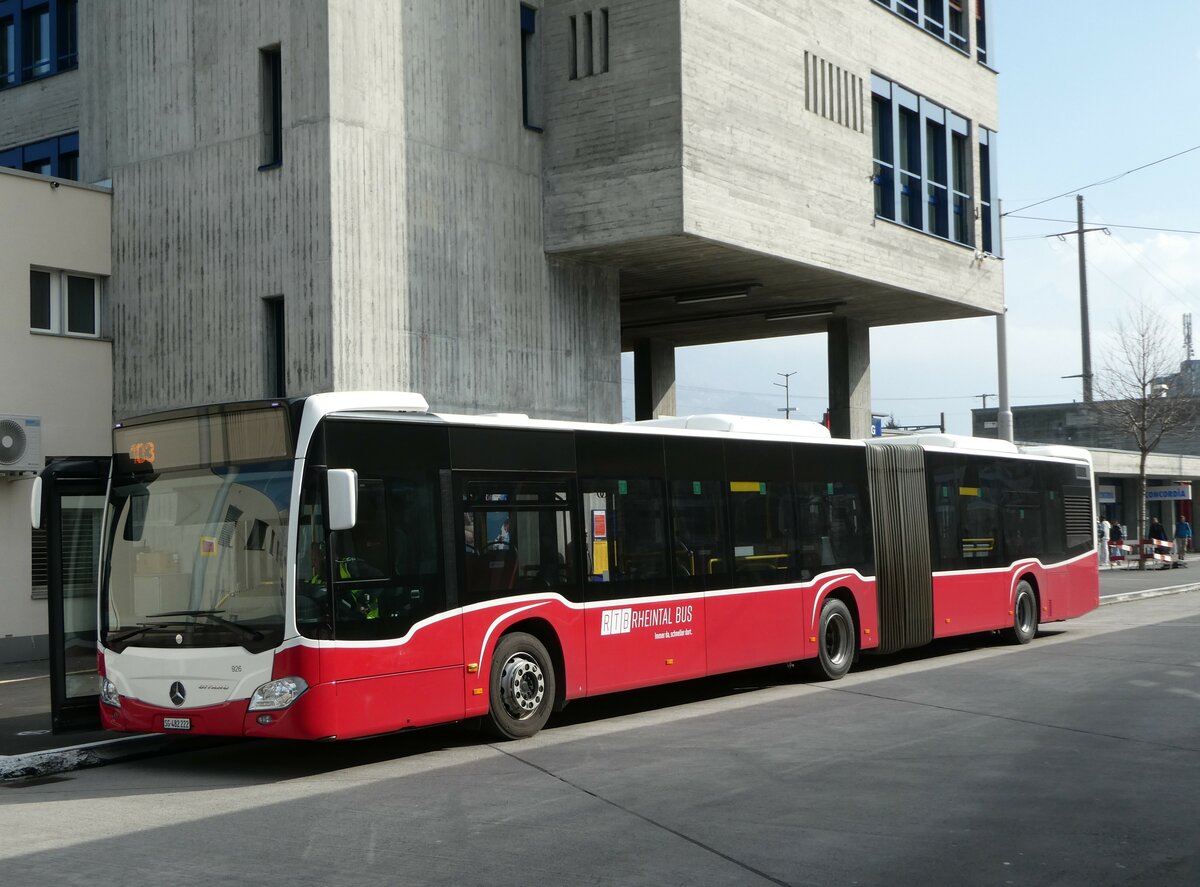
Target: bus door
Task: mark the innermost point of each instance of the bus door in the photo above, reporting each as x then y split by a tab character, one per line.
519	560
72	503
644	592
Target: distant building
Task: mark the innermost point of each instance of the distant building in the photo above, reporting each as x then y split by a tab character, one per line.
1078	424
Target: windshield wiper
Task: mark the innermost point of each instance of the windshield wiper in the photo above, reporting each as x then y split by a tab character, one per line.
248	633
142	628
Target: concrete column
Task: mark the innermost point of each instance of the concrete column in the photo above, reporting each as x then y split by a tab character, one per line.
653	379
849	378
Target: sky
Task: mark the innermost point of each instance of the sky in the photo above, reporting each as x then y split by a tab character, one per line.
1089	89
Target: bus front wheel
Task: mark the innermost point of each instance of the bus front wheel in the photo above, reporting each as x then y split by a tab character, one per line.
1025	614
835	641
522	687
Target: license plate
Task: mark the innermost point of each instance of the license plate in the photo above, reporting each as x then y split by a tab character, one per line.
177	723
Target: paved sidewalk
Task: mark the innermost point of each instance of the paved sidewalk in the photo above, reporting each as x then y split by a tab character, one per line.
28	748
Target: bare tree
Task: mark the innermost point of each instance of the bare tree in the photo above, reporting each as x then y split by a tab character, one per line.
1136	397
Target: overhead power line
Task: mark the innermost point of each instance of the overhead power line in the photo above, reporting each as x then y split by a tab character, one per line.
1106	181
1106	225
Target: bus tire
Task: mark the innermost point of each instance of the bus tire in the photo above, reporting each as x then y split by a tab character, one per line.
522	687
1025	614
835	641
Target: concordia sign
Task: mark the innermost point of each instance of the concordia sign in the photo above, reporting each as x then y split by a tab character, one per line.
1173	491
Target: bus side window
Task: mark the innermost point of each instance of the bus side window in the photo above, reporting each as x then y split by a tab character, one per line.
627	538
362	553
698	545
763	532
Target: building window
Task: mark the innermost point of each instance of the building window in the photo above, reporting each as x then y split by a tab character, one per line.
944	19
275	352
37	39
981	31
588	50
271	88
531	63
989	207
8	52
63	303
52	157
68	37
35	42
922	163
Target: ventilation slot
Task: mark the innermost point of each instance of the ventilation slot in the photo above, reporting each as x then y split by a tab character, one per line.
900	514
1077	510
833	92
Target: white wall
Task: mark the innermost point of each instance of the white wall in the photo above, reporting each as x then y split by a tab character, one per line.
67	381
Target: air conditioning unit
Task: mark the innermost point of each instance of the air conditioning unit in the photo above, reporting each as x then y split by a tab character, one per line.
20	444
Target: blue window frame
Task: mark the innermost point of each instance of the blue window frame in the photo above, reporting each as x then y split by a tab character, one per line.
38	38
51	157
944	19
981	32
989	206
922	163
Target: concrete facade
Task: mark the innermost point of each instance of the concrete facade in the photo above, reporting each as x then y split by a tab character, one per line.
402	228
420	237
66	381
728	146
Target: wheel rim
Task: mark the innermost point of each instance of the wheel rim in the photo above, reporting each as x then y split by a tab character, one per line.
837	640
522	685
1025	613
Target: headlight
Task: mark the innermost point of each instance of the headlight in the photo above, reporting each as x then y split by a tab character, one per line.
109	694
277	694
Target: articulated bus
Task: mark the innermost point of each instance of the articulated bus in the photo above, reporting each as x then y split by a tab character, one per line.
351	564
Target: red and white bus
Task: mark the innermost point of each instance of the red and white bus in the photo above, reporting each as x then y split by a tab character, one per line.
351	564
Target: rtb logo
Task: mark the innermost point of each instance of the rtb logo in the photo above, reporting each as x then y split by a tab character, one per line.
616	621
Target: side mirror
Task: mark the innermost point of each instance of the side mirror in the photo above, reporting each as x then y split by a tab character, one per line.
35	503
343	498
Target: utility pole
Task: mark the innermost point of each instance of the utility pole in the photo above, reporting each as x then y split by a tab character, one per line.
984	398
787	409
1084	323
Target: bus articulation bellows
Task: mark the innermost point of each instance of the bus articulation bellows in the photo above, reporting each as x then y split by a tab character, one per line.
351	564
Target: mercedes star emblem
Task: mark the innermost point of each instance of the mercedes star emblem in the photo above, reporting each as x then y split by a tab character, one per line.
179	639
178	694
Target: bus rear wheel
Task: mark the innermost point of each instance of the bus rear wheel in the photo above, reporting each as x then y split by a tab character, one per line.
1025	614
835	641
522	687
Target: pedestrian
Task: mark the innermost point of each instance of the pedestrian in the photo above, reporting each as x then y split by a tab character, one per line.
1183	538
1105	530
1157	532
1116	542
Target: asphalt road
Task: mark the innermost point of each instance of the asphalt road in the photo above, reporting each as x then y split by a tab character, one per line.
1075	760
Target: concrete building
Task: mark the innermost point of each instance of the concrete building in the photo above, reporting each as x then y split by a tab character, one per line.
486	200
56	362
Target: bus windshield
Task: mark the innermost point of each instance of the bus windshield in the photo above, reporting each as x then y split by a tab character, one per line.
197	557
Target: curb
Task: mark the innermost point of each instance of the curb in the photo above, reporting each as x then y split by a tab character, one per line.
79	757
1148	593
